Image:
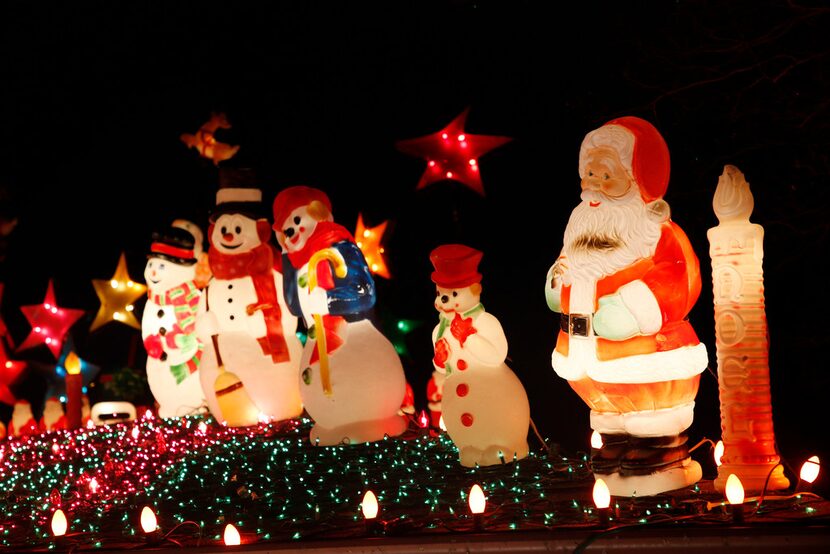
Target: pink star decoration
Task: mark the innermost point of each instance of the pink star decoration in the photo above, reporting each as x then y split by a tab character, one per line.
49	322
452	153
117	296
368	240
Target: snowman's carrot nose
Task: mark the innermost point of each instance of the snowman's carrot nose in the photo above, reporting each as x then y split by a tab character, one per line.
228	237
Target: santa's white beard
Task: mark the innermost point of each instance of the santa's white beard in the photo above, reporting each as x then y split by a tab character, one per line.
604	239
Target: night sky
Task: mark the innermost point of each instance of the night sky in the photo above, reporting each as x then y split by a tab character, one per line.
93	99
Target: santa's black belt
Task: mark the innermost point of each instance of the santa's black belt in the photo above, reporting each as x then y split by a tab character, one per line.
576	325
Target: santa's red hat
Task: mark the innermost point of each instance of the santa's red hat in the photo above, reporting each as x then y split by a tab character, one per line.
646	157
456	266
292	198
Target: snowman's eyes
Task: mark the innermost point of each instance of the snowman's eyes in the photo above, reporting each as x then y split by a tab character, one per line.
224	230
606	177
590	173
238	230
454	294
297	220
150	264
161	266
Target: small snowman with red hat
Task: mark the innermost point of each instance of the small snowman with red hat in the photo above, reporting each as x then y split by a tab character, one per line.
168	324
251	367
353	383
484	405
53	417
23	422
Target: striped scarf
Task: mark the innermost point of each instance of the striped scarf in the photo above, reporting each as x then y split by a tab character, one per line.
184	299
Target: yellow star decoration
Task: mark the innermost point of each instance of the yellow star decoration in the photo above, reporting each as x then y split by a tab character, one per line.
117	296
368	240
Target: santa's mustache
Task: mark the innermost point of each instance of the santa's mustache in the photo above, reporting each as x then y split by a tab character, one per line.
596	242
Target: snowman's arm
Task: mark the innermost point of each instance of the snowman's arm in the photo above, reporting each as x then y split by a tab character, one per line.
206	323
487	345
354	293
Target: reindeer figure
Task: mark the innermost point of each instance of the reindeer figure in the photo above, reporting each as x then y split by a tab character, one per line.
204	140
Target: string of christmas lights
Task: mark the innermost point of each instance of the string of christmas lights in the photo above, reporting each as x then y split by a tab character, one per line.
202	483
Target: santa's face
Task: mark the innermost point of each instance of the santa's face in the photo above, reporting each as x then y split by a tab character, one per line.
234	234
604	172
457	300
293	233
607	233
161	274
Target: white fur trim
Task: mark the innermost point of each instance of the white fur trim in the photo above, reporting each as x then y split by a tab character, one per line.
647	423
238	195
643	305
680	363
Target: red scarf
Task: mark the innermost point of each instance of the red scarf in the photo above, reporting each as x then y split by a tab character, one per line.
257	264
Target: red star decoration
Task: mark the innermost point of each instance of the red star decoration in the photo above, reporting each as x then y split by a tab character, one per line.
452	153
49	322
9	370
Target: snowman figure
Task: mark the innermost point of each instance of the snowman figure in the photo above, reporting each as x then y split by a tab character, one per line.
23	422
484	404
251	367
53	417
168	325
353	383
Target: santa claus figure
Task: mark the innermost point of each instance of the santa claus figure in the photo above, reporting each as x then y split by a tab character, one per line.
250	367
353	383
53	417
624	283
485	406
435	391
23	422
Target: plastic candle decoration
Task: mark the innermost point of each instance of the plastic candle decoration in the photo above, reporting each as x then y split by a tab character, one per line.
353	382
231	536
117	296
49	322
368	240
810	469
736	247
369	506
74	391
623	284
59	523
250	364
718	454
204	140
452	154
484	405
149	523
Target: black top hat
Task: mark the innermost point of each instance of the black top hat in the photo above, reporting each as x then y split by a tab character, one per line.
174	244
238	194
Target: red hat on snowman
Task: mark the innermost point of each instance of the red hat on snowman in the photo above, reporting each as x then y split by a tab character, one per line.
288	200
641	148
456	266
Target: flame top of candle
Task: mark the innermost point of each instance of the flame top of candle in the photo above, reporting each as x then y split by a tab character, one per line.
72	364
733	201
